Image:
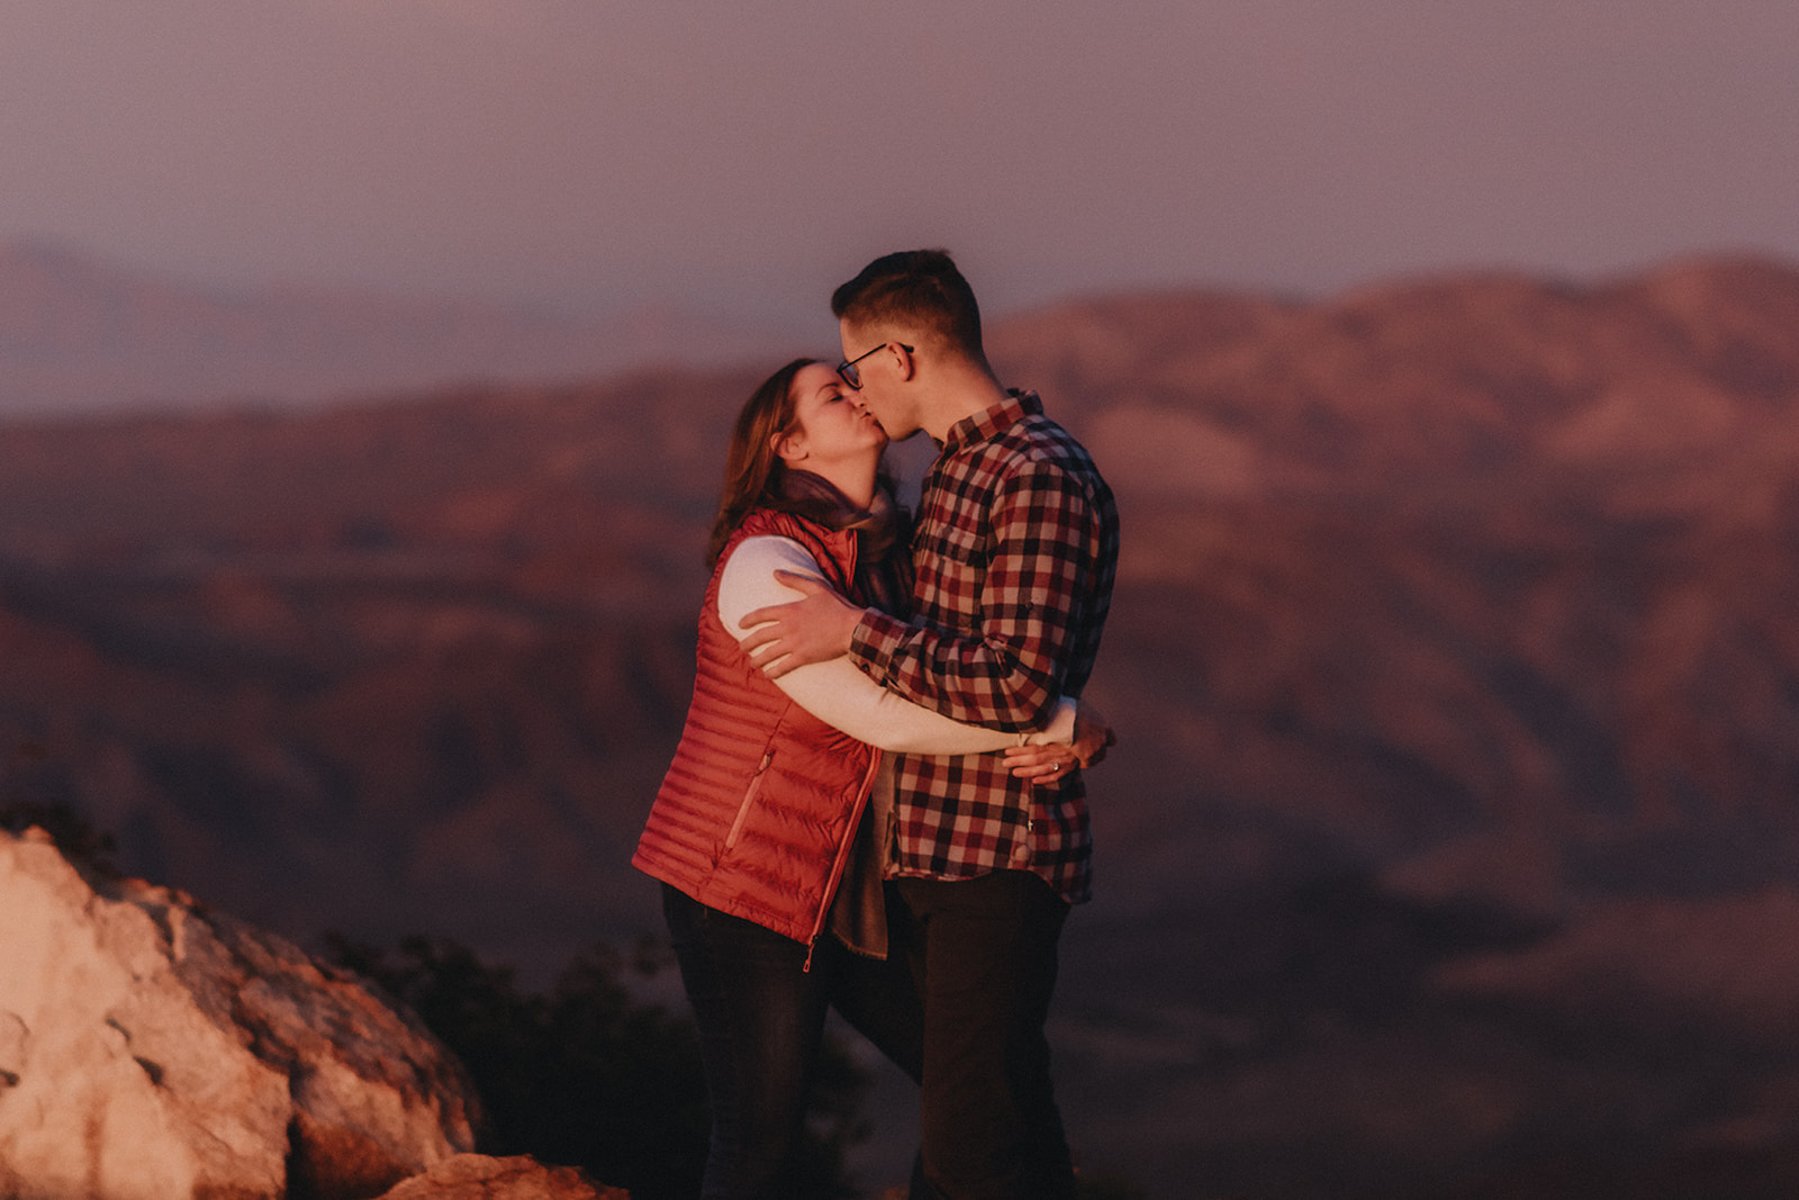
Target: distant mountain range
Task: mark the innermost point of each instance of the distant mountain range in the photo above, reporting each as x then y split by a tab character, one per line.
80	334
1451	846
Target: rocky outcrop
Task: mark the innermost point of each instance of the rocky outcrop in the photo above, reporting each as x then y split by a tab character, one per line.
478	1177
152	1049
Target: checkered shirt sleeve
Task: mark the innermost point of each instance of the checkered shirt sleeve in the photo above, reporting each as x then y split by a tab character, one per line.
1015	553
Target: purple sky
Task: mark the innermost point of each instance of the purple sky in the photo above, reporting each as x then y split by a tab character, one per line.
745	157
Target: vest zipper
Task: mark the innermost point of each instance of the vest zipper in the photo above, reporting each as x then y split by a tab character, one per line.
849	843
842	860
749	798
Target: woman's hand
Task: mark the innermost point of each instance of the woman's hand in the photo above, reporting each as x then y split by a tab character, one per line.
1092	736
1050	763
1045	764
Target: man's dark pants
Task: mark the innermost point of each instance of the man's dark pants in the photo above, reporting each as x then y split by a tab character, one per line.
983	955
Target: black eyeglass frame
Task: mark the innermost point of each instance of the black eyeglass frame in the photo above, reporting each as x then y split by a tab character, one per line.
846	370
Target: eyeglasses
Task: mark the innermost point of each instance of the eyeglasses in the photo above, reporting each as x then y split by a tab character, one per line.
847	371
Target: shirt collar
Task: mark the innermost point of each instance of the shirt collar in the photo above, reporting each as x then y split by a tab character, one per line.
989	422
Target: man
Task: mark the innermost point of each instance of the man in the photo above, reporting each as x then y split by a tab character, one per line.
1015	552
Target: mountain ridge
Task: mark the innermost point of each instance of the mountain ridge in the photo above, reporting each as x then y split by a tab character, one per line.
79	335
1452	644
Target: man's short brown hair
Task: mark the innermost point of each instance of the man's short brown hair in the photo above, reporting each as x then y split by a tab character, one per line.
916	289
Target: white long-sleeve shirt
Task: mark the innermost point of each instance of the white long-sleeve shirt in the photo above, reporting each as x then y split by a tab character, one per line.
836	691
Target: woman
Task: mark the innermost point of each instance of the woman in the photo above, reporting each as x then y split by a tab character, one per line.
760	834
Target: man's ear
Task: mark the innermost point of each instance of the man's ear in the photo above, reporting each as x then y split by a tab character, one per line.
908	365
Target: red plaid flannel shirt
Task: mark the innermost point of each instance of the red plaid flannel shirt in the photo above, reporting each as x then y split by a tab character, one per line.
1015	551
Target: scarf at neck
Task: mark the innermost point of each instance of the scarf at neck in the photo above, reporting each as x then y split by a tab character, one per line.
877	529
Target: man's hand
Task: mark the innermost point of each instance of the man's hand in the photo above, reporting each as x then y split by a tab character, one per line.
814	628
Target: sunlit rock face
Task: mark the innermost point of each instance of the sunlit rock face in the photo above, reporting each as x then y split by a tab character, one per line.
152	1049
478	1177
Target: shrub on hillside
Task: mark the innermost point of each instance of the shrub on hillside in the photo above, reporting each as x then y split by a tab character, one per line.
588	1074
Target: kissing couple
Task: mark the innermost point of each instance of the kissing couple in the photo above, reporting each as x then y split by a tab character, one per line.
878	802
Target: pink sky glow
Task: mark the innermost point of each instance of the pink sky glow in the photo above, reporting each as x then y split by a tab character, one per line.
746	157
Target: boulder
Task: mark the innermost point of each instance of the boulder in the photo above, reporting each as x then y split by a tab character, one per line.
153	1050
478	1177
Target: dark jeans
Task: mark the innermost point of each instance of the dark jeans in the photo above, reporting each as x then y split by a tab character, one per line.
760	1018
983	953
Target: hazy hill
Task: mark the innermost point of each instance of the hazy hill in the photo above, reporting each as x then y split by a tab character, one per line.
1450	849
79	334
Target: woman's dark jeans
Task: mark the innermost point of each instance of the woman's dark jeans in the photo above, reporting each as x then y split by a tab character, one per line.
760	1017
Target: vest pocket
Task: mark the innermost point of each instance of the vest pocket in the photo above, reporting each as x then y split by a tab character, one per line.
749	798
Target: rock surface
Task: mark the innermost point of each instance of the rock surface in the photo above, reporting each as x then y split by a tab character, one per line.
152	1049
478	1177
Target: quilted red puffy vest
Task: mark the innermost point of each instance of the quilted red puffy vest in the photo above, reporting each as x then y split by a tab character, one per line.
755	814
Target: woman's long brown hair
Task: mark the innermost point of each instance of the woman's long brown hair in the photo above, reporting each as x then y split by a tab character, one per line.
751	466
